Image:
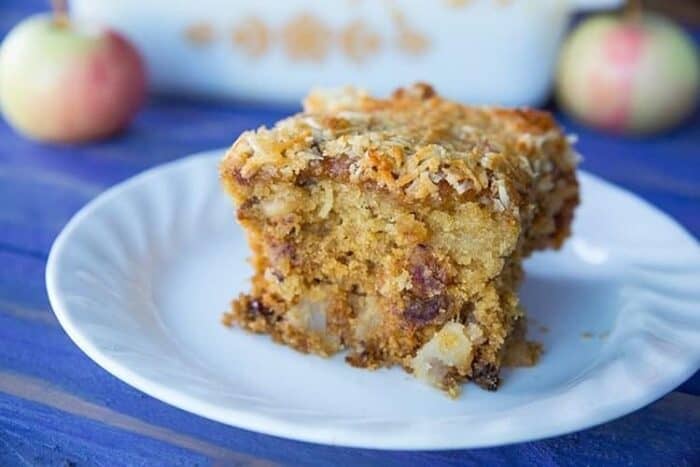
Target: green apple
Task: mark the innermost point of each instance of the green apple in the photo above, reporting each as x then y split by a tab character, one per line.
64	82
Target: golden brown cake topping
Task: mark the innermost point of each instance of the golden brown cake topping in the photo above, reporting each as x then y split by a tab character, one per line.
414	144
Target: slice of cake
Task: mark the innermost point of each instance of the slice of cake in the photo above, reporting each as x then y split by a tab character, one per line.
395	229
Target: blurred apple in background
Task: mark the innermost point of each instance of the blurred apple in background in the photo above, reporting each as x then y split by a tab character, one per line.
633	73
66	82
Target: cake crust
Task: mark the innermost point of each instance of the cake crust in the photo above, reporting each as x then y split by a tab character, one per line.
395	228
414	145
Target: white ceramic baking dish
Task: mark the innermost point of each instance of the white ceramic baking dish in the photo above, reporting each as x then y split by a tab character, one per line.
477	51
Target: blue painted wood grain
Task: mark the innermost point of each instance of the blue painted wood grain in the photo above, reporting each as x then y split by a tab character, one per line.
58	408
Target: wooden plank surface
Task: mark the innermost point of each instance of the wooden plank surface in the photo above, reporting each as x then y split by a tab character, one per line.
58	408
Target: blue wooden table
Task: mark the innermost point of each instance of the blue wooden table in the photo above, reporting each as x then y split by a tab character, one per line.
59	408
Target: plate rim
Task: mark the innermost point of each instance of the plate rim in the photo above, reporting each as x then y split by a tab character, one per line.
270	424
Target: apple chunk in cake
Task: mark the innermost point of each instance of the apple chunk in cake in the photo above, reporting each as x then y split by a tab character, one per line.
395	229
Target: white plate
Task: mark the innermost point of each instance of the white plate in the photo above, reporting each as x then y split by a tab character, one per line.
140	276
